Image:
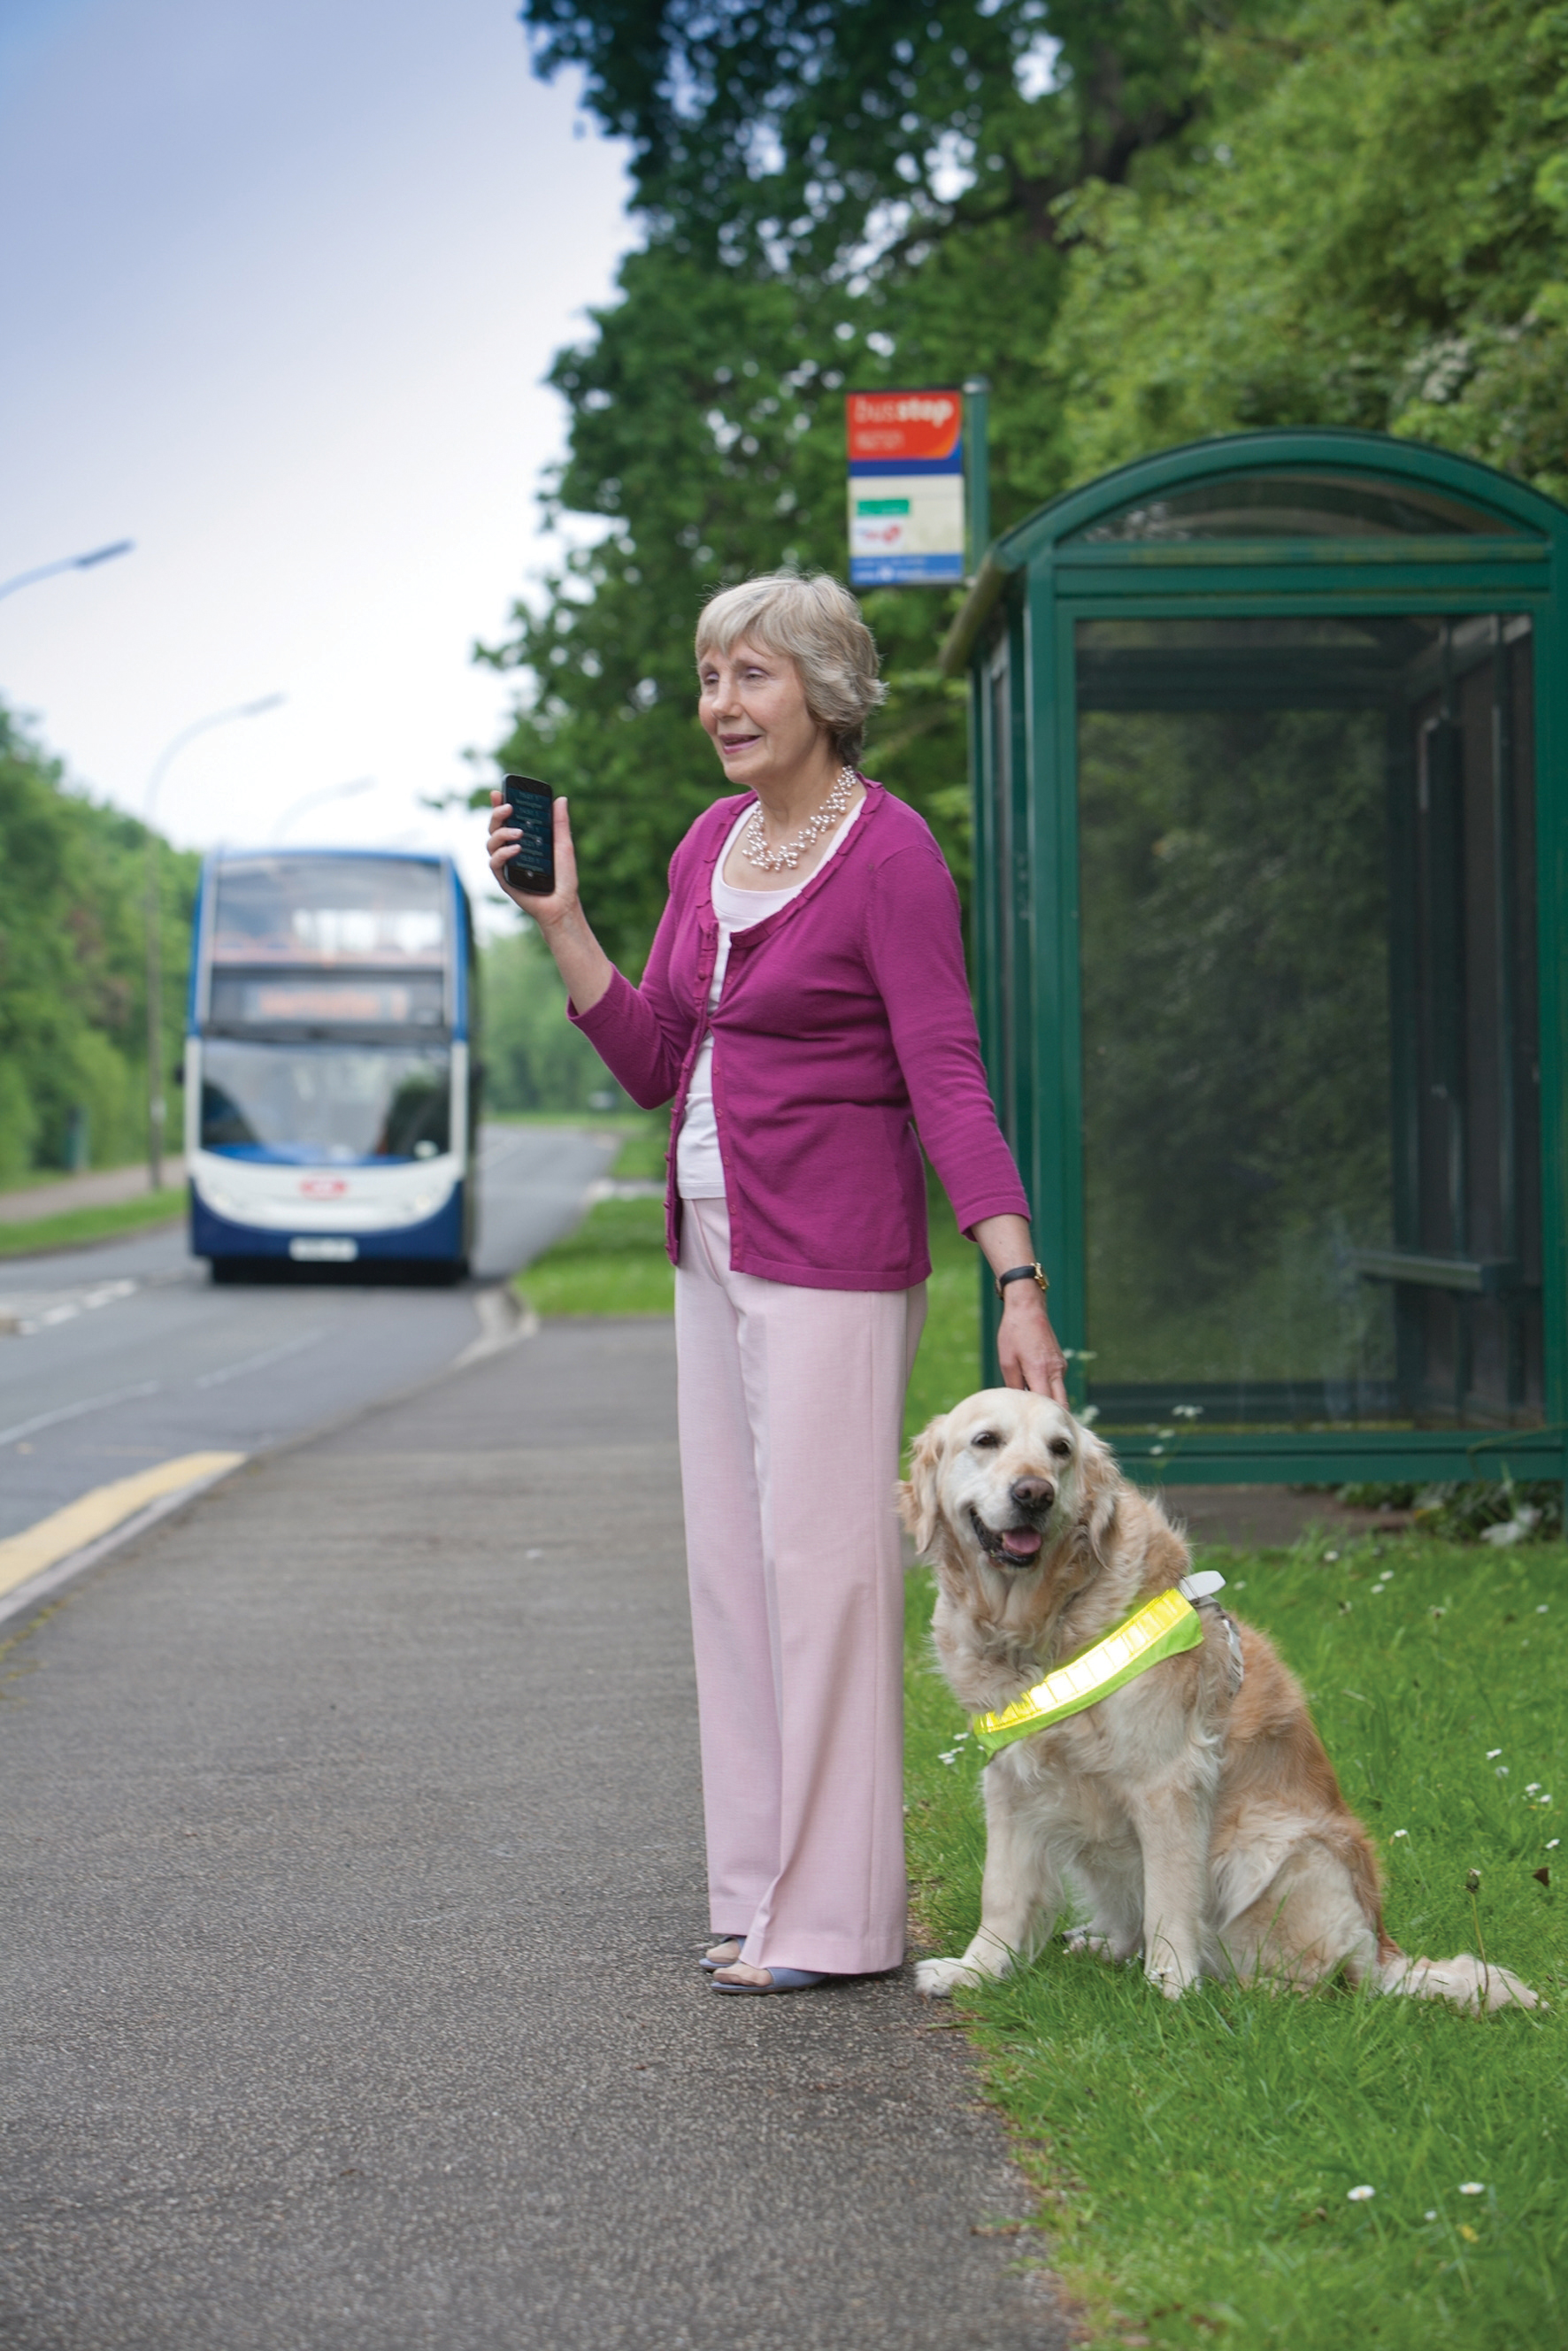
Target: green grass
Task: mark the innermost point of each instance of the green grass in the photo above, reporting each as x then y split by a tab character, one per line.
642	1156
77	1225
614	1262
594	1121
1195	2159
948	1363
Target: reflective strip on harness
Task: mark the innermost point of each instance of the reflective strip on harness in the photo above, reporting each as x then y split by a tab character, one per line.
1162	1628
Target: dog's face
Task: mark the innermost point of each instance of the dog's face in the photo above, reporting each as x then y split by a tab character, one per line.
1006	1473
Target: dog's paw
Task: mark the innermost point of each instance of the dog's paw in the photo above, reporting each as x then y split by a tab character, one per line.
937	1978
1469	1982
1169	1980
1083	1945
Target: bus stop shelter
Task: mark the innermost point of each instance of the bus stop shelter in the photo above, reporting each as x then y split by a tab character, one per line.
1272	851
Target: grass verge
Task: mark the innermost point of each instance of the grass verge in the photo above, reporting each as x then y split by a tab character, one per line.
1196	2160
614	1261
76	1226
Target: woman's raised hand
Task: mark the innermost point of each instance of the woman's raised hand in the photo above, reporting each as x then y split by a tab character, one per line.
562	900
580	960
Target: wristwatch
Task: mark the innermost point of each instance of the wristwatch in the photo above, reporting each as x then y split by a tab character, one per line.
1035	1273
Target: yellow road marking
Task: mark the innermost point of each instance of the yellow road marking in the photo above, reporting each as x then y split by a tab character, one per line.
107	1507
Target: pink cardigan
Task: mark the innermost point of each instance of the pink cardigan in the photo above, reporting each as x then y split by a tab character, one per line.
845	1025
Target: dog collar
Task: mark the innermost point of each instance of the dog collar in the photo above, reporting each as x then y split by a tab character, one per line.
1163	1628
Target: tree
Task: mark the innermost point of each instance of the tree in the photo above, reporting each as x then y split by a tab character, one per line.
534	1060
833	194
1370	232
72	990
1146	221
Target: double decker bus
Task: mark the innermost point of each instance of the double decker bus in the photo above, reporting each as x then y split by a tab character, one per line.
330	1092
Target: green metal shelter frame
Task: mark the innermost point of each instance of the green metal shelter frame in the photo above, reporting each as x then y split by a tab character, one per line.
1269	741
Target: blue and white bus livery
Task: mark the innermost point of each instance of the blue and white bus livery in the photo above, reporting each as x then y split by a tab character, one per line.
329	1086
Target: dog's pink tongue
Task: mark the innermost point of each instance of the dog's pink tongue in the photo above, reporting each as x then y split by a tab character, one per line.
1020	1542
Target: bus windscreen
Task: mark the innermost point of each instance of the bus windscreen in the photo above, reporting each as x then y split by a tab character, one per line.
314	1103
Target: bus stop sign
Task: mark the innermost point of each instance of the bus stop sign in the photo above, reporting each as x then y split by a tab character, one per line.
906	487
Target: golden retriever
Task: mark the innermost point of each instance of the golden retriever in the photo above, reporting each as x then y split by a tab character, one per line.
1194	1812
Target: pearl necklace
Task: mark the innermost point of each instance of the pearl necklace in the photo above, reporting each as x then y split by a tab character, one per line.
754	840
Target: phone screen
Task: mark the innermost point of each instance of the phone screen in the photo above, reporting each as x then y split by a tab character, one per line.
532	866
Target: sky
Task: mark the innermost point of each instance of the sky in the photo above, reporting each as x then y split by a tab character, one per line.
281	281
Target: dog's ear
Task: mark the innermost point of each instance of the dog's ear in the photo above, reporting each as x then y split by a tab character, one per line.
917	1499
1101	1486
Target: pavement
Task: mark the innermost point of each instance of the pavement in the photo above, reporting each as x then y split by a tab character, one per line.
348	1988
102	1187
1264	1518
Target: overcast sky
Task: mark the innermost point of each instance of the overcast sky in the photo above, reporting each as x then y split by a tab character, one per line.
280	283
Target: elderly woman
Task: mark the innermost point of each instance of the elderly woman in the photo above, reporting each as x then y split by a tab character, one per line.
805	1005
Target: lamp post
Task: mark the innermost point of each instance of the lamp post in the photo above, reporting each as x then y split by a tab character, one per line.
319	800
160	766
67	563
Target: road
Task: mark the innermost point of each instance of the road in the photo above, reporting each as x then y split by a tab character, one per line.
121	1356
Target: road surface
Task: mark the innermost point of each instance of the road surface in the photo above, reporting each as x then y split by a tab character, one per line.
118	1357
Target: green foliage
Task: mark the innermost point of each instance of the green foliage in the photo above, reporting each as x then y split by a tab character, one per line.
1461	1510
1370	231
72	966
788	134
1195	2159
1348	211
534	1058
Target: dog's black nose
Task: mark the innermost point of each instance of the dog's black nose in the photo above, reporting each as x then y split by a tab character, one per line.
1033	1493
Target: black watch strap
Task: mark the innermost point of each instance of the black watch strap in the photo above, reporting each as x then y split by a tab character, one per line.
1035	1273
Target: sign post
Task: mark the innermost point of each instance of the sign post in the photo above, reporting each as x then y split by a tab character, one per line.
977	442
905	488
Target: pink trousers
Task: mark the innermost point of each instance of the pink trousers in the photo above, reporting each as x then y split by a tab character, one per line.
791	1406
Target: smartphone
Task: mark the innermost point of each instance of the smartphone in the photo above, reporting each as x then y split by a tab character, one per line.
532	868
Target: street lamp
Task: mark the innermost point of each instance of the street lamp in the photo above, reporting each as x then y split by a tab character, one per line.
67	563
160	766
319	800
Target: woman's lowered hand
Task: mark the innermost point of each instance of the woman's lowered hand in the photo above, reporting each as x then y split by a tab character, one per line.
1027	1346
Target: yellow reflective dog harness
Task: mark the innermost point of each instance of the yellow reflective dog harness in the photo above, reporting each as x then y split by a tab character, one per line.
1163	1628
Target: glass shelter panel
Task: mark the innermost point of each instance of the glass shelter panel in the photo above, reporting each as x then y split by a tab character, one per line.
1310	1116
998	724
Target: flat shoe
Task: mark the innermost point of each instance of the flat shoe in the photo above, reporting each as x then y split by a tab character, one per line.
779	1980
710	1959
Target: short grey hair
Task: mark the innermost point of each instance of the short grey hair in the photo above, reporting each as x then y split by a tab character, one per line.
817	622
